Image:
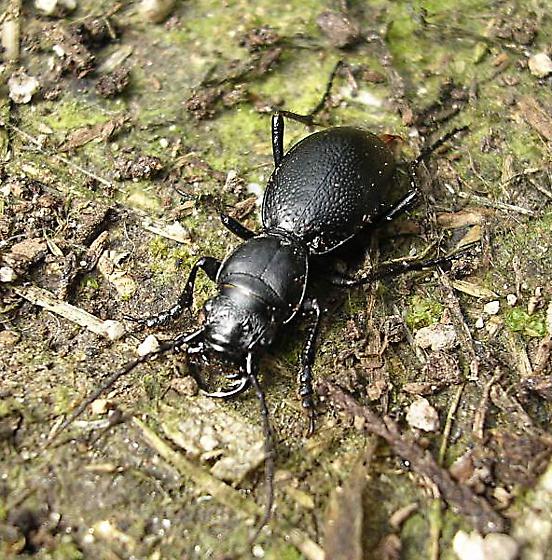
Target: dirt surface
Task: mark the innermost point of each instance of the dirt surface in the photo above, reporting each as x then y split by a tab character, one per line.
124	133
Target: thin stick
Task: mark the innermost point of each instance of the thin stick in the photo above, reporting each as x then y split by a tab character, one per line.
56	157
476	508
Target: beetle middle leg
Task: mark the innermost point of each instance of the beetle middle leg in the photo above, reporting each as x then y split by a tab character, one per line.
210	266
310	307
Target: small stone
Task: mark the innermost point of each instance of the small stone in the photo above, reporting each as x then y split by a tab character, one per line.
540	65
492	308
113	329
9	339
258	551
208	442
423	416
150	345
463	468
340	30
498	546
495	546
511	299
7	274
437	337
55	7
156	11
99	406
480	323
22	87
186	386
468	547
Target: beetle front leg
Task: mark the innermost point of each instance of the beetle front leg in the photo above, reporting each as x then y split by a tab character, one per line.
210	266
311	307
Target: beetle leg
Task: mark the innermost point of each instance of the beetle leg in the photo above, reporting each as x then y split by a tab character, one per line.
311	307
208	264
277	138
428	150
403	205
236	228
393	269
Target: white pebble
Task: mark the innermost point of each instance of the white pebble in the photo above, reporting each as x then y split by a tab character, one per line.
511	299
495	546
423	416
7	274
55	7
479	324
22	87
540	65
468	547
258	551
498	546
436	337
113	329
492	308
150	345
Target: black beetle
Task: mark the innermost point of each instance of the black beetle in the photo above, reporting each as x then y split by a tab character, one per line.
324	191
327	189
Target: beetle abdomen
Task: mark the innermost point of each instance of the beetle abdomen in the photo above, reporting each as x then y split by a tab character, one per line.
328	186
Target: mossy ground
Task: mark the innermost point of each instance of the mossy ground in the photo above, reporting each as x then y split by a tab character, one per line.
111	475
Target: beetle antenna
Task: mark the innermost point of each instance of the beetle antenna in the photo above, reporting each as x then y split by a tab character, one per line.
114	377
268	448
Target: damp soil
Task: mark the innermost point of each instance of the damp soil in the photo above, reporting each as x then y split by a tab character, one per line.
112	178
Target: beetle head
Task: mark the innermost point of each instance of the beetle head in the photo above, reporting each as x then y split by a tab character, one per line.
232	329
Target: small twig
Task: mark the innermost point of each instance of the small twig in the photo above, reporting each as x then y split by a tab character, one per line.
479	416
540	188
495	204
452	303
435	527
11	31
543	354
448	423
476	508
56	157
43	298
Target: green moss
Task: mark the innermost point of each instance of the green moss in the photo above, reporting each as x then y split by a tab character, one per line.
423	311
66	551
518	320
91	282
63	399
285	552
159	248
73	113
